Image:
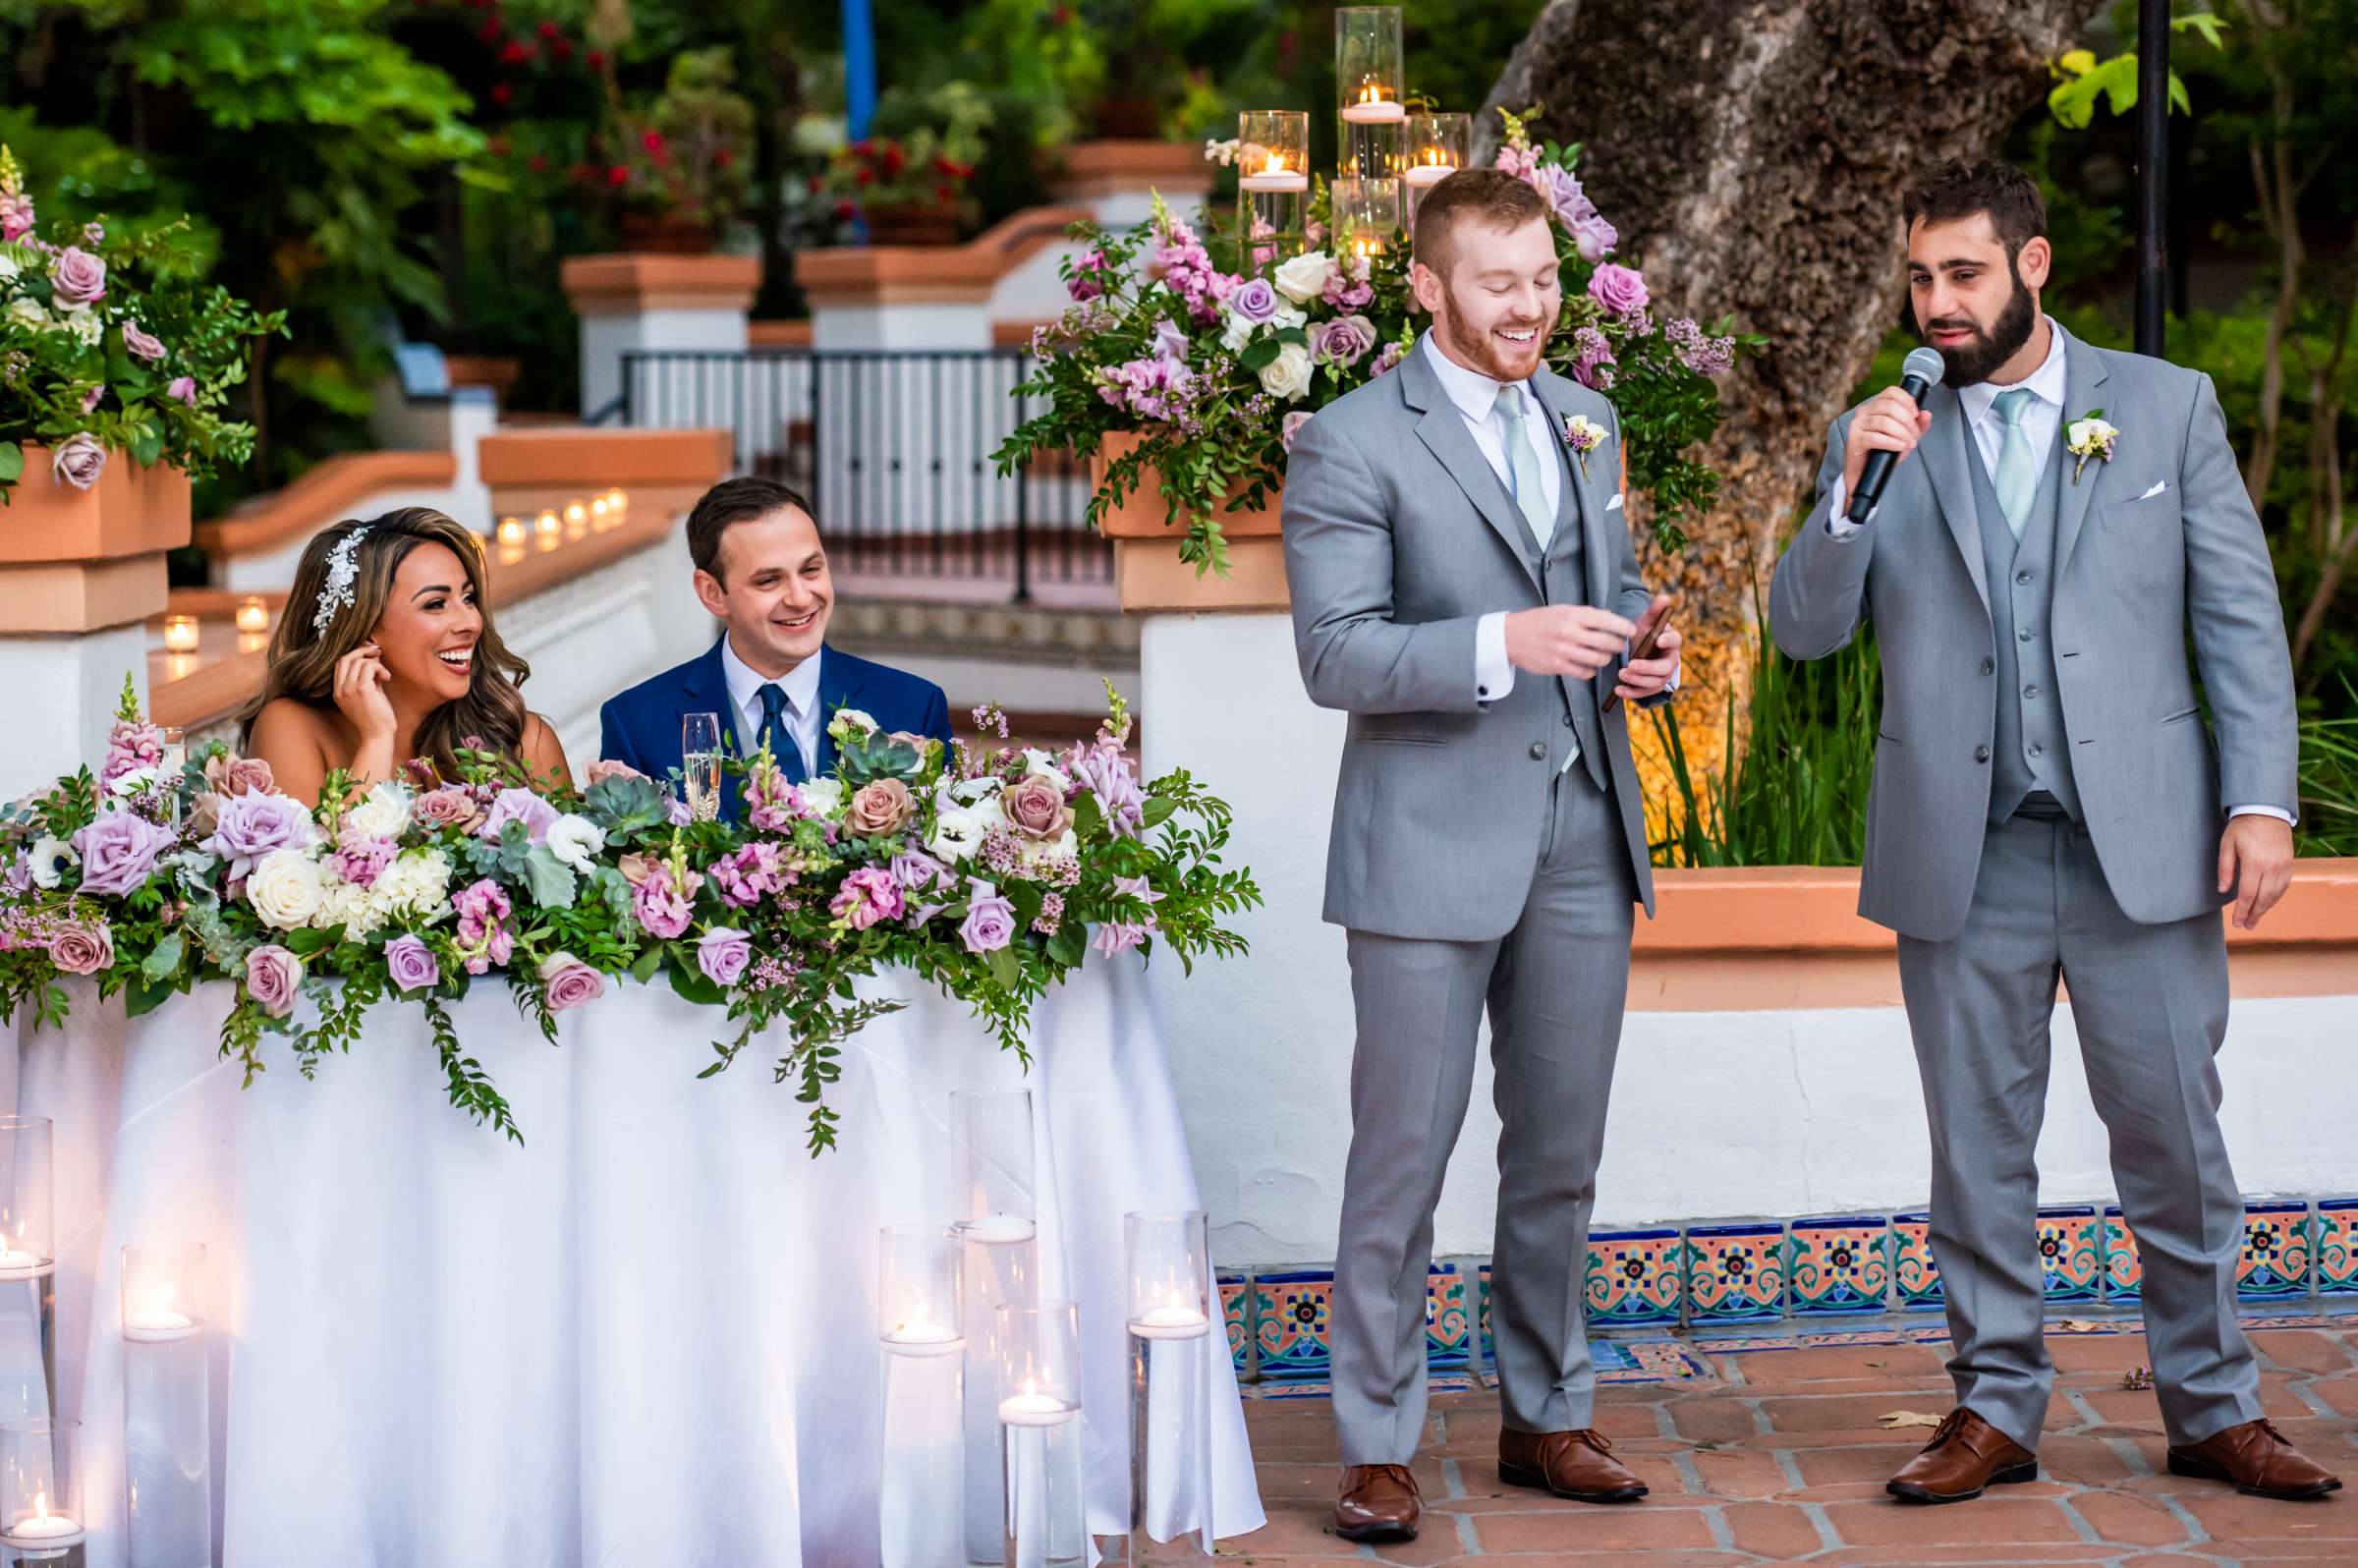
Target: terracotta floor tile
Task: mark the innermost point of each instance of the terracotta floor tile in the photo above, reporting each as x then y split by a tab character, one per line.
2232	1514
2304	1348
1775	1531
1741	1473
1723	1419
1998	1517
2130	1520
1895	1363
1574	1527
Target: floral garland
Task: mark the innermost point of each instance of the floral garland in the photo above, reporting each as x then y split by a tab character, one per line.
1215	357
983	870
90	363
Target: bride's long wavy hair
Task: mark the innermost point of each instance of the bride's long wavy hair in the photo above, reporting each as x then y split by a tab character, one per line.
302	661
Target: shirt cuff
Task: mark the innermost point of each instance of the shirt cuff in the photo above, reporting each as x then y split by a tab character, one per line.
1838	524
1494	676
2277	811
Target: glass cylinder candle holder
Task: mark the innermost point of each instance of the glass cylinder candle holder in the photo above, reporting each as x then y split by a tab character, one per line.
917	1327
1039	1434
991	1135
27	1270
1168	1264
1370	99
163	1293
1364	215
167	1408
1273	182
991	1139
40	1487
1436	146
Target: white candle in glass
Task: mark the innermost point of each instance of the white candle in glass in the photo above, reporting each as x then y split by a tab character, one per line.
1032	1408
1425	175
923	1336
998	1228
1173	1320
158	1324
1275	176
18	1264
1372	107
43	1529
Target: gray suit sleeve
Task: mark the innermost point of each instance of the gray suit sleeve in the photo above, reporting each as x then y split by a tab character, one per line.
2238	619
1818	597
1338	568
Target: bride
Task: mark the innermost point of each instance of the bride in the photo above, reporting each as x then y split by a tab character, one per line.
385	652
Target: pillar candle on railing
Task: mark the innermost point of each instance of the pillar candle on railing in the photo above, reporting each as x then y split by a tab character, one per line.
40	1490
1039	1434
1438	146
27	1270
1272	182
1170	1295
990	1132
167	1408
920	1493
1371	96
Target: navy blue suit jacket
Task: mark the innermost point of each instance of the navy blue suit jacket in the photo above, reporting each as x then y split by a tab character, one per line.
642	726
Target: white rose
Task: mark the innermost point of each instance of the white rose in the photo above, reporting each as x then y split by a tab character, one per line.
822	797
1287	376
574	839
1305	278
1237	330
50	857
85	325
286	889
27	312
956	835
383	813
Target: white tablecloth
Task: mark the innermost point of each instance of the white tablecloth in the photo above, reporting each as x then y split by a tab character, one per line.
645	1337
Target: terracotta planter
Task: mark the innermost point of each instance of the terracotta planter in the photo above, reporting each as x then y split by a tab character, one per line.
1147	572
648	234
1141	513
130	511
910	226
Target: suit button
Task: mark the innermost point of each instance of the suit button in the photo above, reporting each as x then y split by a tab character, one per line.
2023	636
2038	750
1567	722
2030	691
1988	666
1538	751
1980	754
2022	578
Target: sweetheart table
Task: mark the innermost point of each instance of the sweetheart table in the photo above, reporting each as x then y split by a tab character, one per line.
647	1336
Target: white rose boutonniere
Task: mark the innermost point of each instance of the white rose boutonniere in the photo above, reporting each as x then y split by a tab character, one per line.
2089	438
1583	436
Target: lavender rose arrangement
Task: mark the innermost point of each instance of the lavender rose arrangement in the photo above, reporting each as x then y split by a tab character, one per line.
112	347
989	871
1215	349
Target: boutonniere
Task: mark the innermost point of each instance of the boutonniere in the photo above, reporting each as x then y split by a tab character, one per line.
2090	437
1582	436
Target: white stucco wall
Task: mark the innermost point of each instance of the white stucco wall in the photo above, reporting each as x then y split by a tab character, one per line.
1714	1115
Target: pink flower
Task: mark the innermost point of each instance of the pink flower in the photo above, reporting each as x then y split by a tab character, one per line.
271	975
139	344
747	875
869	895
1087	280
91	398
989	922
483	938
877	809
16	216
606	768
449	806
1293	422
567	983
520	806
183	387
79	461
1345	340
1115	937
412	962
83	949
117	852
722	954
239	775
360	860
131	745
659	906
1620	289
1392	353
77	278
1035	807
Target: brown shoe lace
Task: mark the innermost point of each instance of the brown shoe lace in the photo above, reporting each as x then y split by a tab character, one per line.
1595	1439
1951	1425
1396	1473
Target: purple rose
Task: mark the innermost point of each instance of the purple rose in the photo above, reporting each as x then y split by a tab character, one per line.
989	922
83	949
568	982
92	398
271	975
1595	238
253	826
1346	340
722	955
1293	422
183	387
77	277
79	462
118	852
412	962
520	806
1620	289
1254	300
1035	807
1393	353
1115	937
139	344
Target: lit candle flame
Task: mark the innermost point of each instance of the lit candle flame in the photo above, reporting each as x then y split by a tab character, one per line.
40	1505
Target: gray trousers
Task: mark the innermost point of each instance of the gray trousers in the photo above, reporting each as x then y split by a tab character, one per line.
1553	988
2151	1003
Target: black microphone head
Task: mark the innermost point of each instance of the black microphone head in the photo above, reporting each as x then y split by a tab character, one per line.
1923	364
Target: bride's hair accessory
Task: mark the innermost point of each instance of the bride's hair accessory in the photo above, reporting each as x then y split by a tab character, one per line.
343	568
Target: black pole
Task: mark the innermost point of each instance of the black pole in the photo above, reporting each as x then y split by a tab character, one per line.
2153	172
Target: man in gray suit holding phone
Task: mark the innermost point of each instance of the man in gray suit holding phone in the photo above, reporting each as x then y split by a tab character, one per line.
2048	802
1466	589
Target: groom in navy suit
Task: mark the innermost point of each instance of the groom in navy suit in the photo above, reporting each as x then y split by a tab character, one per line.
761	569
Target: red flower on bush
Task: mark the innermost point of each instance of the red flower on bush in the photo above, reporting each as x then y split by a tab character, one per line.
596	59
490	29
537	163
501	94
843	211
548	29
722	157
618	176
515	52
561	49
865	176
652	141
895	160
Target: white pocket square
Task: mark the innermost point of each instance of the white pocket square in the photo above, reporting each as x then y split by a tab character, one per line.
1614	503
2159	486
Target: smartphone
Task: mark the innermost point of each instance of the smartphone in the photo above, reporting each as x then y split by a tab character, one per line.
1644	650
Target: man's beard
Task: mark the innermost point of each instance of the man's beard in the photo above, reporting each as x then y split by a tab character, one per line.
1480	352
1978	360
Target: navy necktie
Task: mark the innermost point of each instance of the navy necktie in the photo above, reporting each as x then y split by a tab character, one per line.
776	736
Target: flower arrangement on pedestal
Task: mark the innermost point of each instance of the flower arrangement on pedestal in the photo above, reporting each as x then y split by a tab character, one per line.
989	871
113	347
1213	349
685	160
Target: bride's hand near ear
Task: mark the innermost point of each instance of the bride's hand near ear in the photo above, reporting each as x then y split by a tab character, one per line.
361	679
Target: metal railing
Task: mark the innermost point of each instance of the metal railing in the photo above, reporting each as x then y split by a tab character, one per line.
893	447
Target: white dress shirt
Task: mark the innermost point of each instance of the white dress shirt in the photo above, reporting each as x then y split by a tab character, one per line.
801	718
2042	423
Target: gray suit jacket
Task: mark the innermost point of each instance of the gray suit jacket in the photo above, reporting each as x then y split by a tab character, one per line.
2132	570
1399	538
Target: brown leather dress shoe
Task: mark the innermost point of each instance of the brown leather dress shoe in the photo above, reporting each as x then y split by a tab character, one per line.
2257	1459
1379	1502
1965	1455
1579	1465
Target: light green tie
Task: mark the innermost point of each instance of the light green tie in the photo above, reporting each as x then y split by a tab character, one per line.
2017	474
1523	467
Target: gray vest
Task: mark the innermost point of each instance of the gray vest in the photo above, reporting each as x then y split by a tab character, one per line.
2032	751
1564	579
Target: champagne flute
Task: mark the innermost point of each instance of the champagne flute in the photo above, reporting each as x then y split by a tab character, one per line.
699	765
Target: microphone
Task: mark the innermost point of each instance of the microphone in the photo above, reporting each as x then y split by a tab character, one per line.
1918	376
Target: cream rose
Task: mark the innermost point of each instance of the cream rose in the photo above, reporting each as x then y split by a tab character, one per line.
1305	278
285	889
1287	376
382	815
